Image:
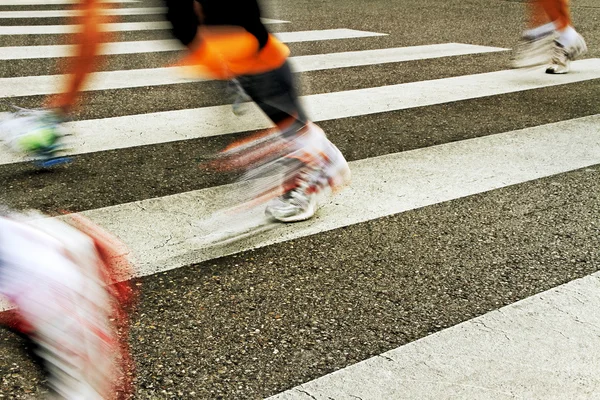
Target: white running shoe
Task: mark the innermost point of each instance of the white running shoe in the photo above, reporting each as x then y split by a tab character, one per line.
298	204
37	134
325	170
563	55
533	51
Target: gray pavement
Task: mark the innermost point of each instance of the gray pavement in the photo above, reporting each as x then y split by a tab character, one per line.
253	324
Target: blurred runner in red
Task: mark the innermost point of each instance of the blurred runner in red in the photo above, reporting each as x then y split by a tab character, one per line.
69	309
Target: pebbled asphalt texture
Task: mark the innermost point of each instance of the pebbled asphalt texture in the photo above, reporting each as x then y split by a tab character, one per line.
253	324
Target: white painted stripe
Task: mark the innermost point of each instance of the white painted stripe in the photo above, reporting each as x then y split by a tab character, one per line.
543	347
271	21
107	11
162	127
54	2
381	186
75	13
66	29
57	51
383	56
326	34
151	46
49	84
112	27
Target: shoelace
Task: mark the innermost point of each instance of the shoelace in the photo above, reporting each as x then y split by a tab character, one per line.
309	179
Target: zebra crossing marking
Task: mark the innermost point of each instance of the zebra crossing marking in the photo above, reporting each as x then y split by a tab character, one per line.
55	2
76	13
168	126
381	186
533	158
535	348
49	84
69	29
388	55
151	46
110	27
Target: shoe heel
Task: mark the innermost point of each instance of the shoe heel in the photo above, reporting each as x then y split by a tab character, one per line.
340	179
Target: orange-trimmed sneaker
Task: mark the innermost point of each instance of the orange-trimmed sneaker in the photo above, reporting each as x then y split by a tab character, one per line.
324	170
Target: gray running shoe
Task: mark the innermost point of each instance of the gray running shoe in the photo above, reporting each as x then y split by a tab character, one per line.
299	204
318	177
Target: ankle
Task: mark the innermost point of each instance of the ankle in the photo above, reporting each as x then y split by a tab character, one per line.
567	36
540	31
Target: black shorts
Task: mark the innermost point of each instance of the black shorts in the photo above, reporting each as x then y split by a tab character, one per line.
274	92
243	13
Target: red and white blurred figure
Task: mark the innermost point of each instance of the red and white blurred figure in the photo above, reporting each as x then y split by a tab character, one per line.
60	277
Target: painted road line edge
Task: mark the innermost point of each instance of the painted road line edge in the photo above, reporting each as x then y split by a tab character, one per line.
154	46
382	186
542	347
163	127
126	79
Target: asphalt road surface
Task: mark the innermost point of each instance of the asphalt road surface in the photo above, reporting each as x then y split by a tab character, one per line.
475	187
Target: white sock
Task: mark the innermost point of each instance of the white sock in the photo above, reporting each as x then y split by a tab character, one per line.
567	36
541	30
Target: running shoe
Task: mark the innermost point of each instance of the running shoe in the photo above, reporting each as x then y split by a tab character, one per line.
563	55
533	51
324	169
37	134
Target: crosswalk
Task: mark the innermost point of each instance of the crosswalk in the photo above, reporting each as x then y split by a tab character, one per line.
55	2
281	306
155	46
42	85
76	13
108	27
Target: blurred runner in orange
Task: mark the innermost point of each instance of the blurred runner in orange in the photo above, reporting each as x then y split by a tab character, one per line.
551	38
226	40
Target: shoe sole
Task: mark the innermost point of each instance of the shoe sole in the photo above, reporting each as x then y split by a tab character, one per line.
53	162
578	51
551	71
306	215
